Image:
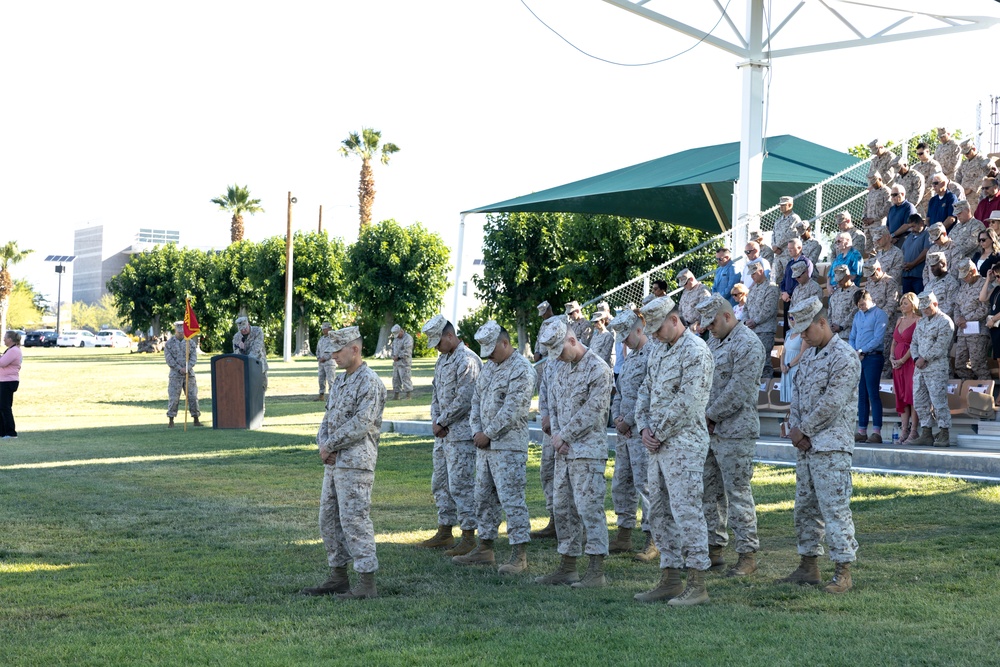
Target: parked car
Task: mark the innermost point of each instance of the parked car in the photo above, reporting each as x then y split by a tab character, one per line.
113	338
41	338
80	338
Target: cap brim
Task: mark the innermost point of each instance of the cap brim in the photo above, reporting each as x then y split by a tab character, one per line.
486	350
433	341
556	350
653	325
336	347
801	326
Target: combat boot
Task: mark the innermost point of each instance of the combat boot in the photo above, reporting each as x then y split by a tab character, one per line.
481	555
670	586
364	590
409	394
197	423
518	562
548	531
926	437
594	576
319	398
943	438
442	538
715	555
694	593
841	582
395	395
337	583
170	424
622	543
746	565
806	574
465	545
565	574
649	551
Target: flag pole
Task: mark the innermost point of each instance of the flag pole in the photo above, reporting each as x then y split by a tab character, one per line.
187	360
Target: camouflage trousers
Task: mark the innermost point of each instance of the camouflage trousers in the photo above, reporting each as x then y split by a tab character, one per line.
175	385
628	484
728	498
930	390
345	518
500	484
767	340
401	377
675	506
547	471
972	351
327	370
453	483
579	506
823	505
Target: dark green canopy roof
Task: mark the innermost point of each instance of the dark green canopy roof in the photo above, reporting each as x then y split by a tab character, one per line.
692	188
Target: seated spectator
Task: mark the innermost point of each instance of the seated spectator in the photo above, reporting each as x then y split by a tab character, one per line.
988	253
941	207
725	275
753	256
900	211
989	201
739	294
846	254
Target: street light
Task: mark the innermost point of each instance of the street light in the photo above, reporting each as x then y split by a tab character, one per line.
60	269
287	347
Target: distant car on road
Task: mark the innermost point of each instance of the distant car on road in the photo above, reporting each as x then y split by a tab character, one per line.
113	338
41	338
80	338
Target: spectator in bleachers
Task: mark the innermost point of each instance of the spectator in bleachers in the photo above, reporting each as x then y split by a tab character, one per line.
692	292
790	283
877	204
845	254
889	256
725	275
915	247
990	295
765	250
989	199
965	231
739	294
842	306
948	153
993	222
900	211
752	252
972	341
807	287
929	349
846	225
658	288
761	314
811	248
972	171
902	366
884	291
927	166
941	242
941	282
884	161
867	336
912	182
988	253
785	226
941	207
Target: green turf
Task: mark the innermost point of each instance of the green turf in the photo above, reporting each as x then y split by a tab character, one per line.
125	543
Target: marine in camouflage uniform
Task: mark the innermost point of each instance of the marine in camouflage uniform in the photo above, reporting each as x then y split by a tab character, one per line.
690	296
180	367
249	340
327	369
948	153
878	201
786	226
842	306
965	232
931	343
885	293
944	286
822	414
348	440
761	316
577	322
971	172
884	161
547	469
811	248
778	267
971	349
888	255
603	344
402	361
806	287
734	427
912	181
765	250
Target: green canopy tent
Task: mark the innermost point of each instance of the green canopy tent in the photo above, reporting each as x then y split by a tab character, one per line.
693	188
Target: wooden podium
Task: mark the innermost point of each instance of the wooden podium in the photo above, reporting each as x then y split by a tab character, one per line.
237	392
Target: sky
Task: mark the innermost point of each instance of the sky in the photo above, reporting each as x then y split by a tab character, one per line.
137	114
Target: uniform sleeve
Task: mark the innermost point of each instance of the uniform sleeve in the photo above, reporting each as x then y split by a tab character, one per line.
748	362
460	404
842	384
365	414
475	420
192	353
543	387
516	403
435	404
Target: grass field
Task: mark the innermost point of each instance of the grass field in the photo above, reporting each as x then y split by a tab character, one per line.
125	543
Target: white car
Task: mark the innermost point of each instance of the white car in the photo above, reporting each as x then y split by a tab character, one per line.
80	338
113	338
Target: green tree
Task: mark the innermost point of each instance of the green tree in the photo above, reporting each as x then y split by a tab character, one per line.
10	255
237	202
396	275
930	137
24	311
366	146
94	317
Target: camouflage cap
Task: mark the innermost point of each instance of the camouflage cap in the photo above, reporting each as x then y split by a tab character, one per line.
961	205
841	271
603	306
656	311
543	308
903	161
343	337
487	337
785	200
684	276
241	321
935	258
646	299
964	267
395	328
179	324
967	146
935	231
798	268
871	264
804	313
572	307
755	267
879	232
801	226
325	325
624	322
942	131
433	329
708	308
926	298
875	143
756	235
553	336
843	215
600	315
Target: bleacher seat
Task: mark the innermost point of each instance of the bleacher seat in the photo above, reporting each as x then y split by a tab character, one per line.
979	386
779	333
958	402
888	395
822	272
774	396
762	399
994	369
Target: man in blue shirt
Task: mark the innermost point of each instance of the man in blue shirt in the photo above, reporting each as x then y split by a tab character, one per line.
915	247
867	335
725	276
941	207
900	211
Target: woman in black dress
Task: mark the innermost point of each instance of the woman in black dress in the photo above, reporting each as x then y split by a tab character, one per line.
990	294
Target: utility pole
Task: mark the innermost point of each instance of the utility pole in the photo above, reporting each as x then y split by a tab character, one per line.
320	228
287	349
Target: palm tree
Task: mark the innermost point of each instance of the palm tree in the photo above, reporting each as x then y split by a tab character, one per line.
365	147
9	255
237	201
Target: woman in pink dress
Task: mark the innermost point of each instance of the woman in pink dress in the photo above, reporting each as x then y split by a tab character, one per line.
902	366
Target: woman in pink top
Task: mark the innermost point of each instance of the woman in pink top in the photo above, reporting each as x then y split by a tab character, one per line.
10	368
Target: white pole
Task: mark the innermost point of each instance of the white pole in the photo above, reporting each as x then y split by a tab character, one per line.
458	271
752	123
287	349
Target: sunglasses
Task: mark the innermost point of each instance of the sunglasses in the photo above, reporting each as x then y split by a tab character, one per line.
897	194
983	238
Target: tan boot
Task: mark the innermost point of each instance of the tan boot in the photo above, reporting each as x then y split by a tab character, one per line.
715	555
409	395
649	551
395	395
463	546
670	586
197	423
481	555
518	562
926	437
337	583
622	543
806	574
565	574
442	538
943	438
694	593
594	576
746	565
170	424
841	582
320	397
364	590
548	531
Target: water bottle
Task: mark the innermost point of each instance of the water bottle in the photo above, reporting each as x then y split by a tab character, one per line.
895	434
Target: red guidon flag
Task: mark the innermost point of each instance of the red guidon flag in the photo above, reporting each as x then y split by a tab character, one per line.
191	327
